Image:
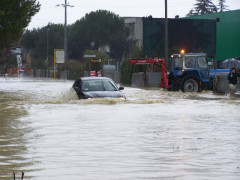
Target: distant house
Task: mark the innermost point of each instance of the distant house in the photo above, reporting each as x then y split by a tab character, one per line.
135	25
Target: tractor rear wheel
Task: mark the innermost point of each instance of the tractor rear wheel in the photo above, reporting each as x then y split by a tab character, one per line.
190	84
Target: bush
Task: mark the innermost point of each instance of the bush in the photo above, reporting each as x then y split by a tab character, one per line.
125	70
76	69
95	66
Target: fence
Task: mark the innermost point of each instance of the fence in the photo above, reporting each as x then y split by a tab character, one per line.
221	84
138	79
115	76
151	79
42	73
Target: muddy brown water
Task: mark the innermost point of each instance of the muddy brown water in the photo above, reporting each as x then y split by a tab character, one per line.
48	133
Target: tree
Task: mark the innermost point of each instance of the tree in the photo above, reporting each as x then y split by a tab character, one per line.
96	30
222	6
34	42
202	7
99	28
76	69
96	66
125	69
15	15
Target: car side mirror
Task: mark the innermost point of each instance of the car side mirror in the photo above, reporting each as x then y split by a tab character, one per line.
121	88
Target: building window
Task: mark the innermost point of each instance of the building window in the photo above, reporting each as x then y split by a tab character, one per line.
132	29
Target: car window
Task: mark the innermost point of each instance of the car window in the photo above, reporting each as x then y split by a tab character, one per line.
109	86
98	85
202	63
190	62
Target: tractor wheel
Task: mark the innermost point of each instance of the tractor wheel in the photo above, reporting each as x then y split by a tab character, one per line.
190	84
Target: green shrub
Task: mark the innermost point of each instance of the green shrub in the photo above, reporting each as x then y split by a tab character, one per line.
125	70
76	69
95	66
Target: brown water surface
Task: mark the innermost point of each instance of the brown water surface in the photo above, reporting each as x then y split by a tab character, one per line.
48	133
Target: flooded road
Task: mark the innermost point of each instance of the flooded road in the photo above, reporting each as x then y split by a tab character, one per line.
48	133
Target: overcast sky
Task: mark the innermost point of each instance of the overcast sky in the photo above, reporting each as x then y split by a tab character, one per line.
49	12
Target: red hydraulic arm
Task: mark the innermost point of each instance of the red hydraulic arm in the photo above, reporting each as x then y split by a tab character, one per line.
163	82
141	61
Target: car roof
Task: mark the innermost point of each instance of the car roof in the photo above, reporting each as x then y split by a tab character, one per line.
94	78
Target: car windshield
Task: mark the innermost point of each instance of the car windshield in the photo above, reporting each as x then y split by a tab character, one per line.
178	63
98	85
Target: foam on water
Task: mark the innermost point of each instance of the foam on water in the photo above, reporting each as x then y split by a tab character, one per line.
68	95
53	92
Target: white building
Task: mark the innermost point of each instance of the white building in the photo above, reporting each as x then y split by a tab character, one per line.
135	25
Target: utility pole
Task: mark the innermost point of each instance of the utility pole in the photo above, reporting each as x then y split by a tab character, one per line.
65	29
166	35
65	33
47	48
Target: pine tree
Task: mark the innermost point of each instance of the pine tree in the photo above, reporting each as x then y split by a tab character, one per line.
202	7
222	6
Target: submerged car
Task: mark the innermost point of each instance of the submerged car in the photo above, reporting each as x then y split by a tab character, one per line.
97	87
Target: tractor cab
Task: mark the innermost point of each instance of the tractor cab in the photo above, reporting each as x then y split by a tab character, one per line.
188	71
190	63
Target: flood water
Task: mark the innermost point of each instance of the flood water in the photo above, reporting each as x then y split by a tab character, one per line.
48	133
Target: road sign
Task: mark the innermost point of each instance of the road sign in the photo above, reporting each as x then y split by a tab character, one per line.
89	56
16	51
96	60
59	55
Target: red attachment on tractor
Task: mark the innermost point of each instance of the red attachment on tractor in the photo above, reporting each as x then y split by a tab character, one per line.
141	61
163	82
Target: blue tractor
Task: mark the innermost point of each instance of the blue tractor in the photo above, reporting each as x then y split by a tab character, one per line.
190	73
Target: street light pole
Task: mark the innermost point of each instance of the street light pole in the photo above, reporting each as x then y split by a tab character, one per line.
65	29
166	34
47	46
65	33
